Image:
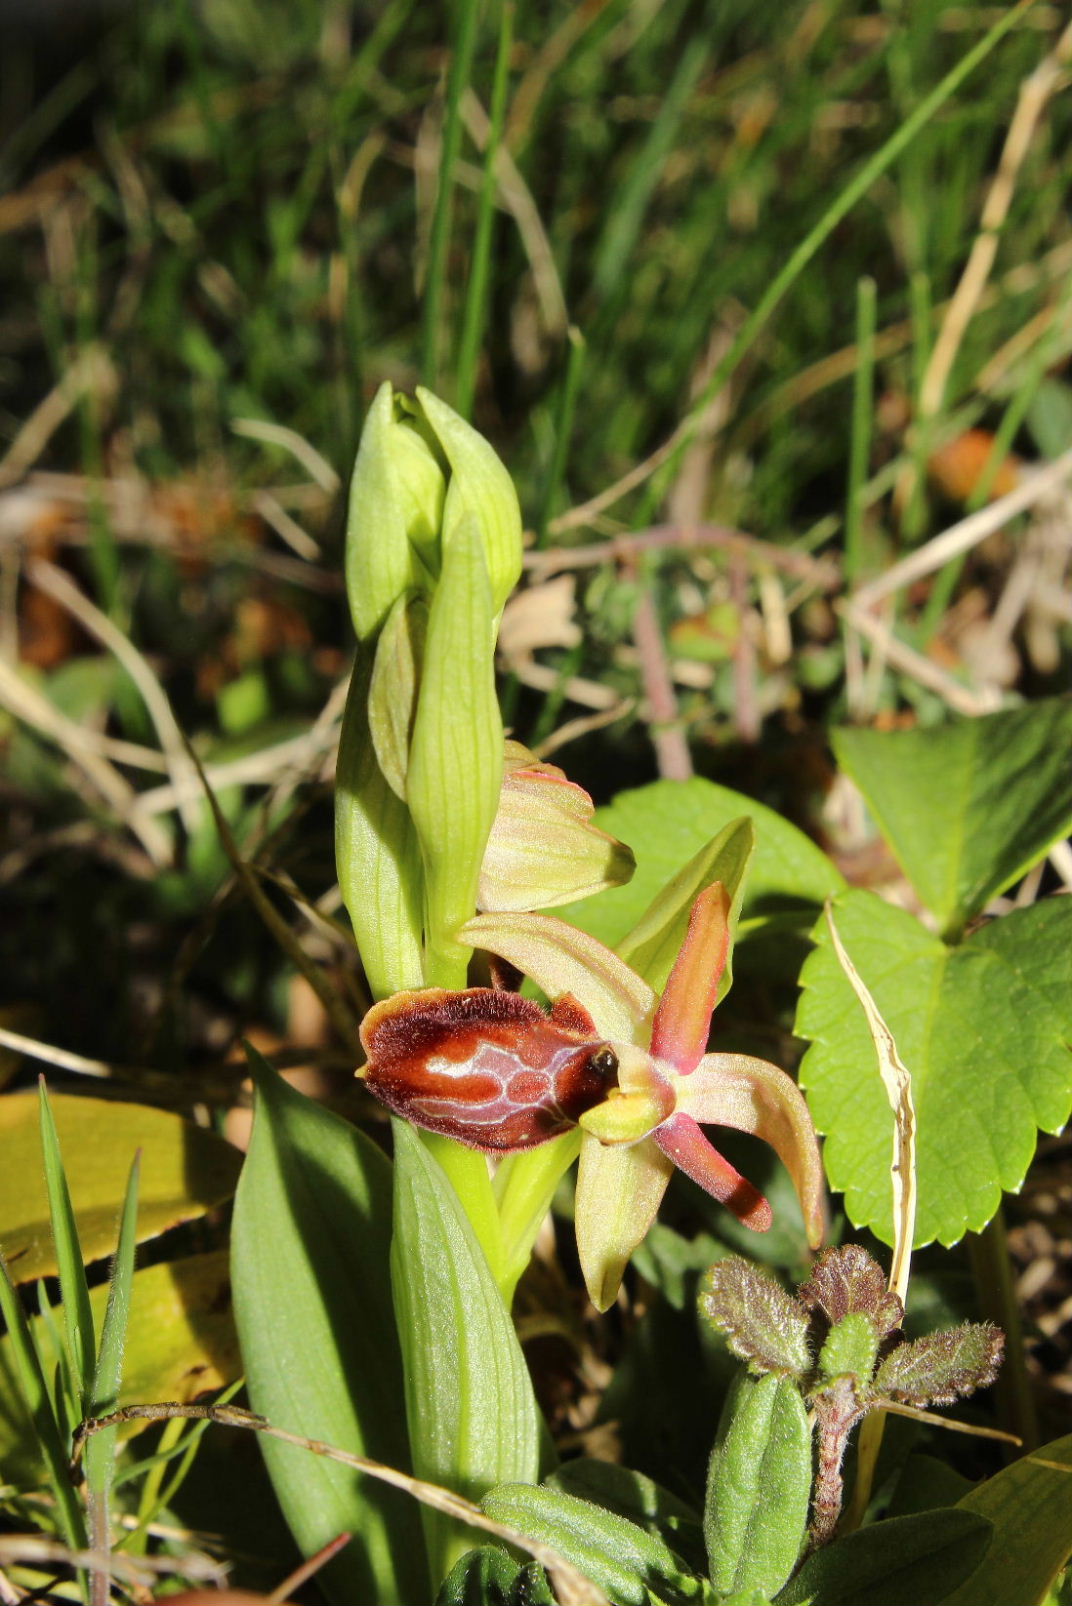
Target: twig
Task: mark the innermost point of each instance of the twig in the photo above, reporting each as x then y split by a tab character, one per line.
29	705
316	466
824	575
968	533
571	1585
671	748
50	1055
1035	91
63	590
913	663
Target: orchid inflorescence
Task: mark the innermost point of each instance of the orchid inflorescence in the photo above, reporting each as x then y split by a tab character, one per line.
452	839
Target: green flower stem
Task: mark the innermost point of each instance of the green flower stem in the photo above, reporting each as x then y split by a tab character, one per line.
992	1269
524	1187
467	1172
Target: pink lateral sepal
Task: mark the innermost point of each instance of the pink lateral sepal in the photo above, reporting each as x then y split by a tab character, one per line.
683	1019
681	1139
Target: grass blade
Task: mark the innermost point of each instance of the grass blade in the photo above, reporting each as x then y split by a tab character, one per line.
461	64
39	1407
476	298
73	1285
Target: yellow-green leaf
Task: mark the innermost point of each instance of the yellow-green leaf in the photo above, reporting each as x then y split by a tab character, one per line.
185	1172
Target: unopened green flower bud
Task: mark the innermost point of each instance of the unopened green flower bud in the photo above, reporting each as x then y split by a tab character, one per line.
544	849
397	497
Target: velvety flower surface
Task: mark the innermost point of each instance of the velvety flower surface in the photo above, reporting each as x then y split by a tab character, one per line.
660	1086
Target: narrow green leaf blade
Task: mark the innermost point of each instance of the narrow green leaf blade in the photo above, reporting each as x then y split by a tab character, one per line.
969	807
758	1485
472	1415
100	1449
634	1567
77	1315
310	1249
1030	1507
984	1029
921	1559
34	1389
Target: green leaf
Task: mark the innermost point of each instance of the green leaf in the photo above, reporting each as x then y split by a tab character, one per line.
78	1318
472	1415
180	1342
667	822
1030	1507
655	941
969	807
376	852
918	1559
100	1449
30	1379
634	1567
984	1030
310	1264
186	1172
490	1577
639	1499
763	1324
758	1485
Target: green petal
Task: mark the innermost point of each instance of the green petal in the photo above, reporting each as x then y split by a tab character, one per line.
618	1194
479	485
561	959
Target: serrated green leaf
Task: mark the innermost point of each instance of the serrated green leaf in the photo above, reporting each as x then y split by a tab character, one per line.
186	1170
667	822
938	1368
920	1559
758	1485
635	1568
473	1420
655	941
310	1265
983	1028
850	1349
969	807
762	1322
1030	1507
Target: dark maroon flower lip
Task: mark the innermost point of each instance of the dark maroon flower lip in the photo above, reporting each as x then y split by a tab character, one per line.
489	1068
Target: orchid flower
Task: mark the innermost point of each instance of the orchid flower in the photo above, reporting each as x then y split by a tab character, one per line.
629	1068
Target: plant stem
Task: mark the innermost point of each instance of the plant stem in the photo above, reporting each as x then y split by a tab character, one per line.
992	1270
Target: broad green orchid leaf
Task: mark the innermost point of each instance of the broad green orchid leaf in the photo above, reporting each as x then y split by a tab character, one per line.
619	1191
561	959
